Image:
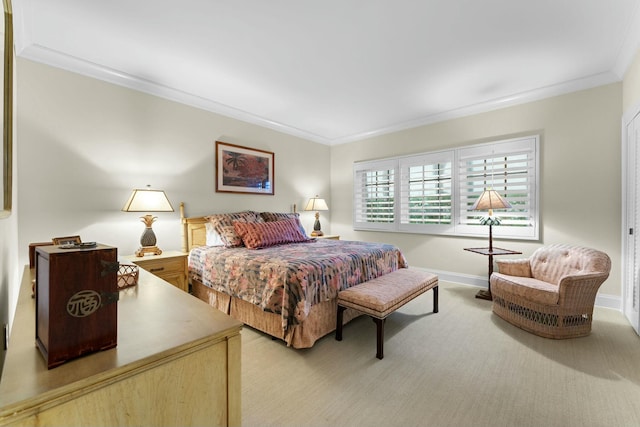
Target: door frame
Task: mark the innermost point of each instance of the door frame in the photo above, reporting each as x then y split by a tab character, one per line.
629	153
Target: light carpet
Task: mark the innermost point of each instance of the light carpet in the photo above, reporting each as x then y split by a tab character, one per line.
463	366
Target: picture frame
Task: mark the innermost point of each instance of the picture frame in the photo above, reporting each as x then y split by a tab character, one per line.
244	170
68	240
6	109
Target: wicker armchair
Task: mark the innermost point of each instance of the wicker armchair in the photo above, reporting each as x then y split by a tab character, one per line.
552	293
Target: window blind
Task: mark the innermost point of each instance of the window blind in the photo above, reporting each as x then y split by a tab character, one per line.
509	167
434	192
374	195
426	185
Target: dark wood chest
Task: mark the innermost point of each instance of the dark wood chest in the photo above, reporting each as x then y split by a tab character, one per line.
76	301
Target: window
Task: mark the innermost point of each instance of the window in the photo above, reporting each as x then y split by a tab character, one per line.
374	194
433	192
426	189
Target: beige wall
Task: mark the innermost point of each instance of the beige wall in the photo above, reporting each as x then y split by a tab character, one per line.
579	168
85	144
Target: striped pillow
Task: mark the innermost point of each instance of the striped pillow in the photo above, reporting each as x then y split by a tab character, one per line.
256	235
279	216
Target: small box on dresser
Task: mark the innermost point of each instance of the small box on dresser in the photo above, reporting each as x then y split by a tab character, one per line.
76	301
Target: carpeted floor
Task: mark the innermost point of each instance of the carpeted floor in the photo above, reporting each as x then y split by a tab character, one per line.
463	366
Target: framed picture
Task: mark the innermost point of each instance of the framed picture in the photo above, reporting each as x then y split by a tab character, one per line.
75	240
243	170
6	110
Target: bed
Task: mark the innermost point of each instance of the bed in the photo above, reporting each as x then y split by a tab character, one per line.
288	289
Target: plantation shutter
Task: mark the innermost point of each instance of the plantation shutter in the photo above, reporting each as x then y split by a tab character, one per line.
433	193
426	185
510	168
374	206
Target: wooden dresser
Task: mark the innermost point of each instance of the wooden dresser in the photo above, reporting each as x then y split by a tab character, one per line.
177	362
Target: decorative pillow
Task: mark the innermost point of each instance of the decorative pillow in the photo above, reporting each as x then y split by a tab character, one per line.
212	237
223	225
279	216
260	235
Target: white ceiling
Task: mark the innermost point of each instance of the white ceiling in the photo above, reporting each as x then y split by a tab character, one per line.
335	71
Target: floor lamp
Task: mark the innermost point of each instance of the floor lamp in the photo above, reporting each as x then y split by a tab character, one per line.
490	200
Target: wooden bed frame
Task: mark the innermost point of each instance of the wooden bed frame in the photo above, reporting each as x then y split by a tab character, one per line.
320	321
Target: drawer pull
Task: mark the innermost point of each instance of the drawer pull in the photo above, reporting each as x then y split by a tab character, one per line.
153	270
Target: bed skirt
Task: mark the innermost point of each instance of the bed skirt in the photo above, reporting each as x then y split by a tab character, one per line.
320	321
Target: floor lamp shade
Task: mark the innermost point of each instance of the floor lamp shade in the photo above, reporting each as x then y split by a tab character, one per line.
148	200
488	201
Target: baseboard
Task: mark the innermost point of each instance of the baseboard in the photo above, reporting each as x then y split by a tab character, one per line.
609	301
602	300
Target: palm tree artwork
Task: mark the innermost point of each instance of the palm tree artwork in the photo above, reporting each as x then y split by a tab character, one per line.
236	160
245	170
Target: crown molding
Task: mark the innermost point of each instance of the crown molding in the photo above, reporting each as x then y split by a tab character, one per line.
495	104
73	64
76	65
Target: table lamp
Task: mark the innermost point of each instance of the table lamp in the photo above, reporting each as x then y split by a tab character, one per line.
490	200
148	200
316	204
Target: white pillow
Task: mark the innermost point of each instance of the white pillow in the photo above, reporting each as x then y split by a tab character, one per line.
212	236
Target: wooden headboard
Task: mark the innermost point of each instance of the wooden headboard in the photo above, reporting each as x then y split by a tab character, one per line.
194	232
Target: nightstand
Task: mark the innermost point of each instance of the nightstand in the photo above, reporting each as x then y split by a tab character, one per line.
329	236
170	266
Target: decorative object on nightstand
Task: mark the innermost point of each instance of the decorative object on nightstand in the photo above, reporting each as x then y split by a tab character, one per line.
148	200
316	204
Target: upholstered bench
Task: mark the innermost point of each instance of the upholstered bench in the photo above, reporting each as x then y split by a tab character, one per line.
383	295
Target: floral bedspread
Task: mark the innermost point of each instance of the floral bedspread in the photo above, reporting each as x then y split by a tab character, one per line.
288	279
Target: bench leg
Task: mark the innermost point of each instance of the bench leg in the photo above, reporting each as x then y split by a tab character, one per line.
435	299
339	323
380	337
